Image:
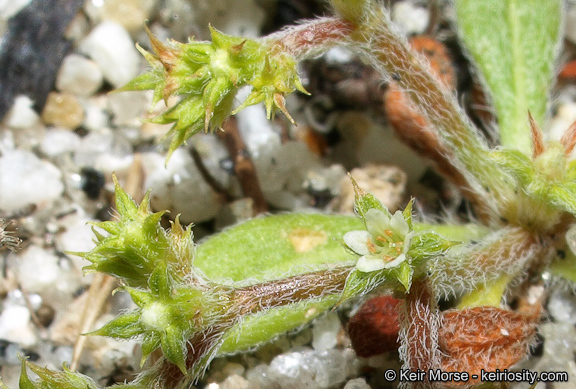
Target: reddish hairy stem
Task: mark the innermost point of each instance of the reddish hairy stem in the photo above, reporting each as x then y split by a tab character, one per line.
312	38
419	323
273	294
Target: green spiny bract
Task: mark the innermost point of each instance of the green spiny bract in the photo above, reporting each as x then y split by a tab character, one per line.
136	243
50	379
168	315
207	75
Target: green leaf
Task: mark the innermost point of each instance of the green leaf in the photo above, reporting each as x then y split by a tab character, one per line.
276	247
256	329
514	44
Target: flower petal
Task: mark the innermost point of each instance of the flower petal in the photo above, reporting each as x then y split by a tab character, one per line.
377	221
396	262
368	264
398	224
357	241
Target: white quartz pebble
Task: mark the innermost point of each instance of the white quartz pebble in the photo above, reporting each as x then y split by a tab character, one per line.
79	75
22	115
325	331
110	45
25	179
16	326
42	272
59	141
357	383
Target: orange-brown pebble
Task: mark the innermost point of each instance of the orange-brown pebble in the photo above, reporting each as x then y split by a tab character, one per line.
63	110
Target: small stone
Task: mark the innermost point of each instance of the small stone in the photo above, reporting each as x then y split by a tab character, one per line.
570	23
9	352
105	151
172	186
235	381
22	115
282	171
244	19
562	306
11	8
559	349
259	377
232	368
129	108
96	113
357	383
386	182
412	20
63	110
338	56
325	332
79	76
110	45
77	235
41	271
45	314
308	369
329	367
292	370
59	141
25	180
16	326
131	14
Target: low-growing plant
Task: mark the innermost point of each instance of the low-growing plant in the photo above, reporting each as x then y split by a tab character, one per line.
248	284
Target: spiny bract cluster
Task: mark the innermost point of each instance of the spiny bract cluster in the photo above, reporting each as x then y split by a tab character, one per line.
207	76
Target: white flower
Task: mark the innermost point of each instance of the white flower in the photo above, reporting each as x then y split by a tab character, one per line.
385	242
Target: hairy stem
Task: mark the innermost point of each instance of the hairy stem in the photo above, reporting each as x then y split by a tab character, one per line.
312	38
273	294
391	56
419	324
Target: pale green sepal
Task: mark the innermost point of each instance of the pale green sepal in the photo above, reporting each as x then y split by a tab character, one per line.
515	162
123	327
563	196
425	245
404	274
149	344
359	283
174	347
365	201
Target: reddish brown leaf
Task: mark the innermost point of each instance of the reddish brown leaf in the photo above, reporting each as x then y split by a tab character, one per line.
486	338
374	328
